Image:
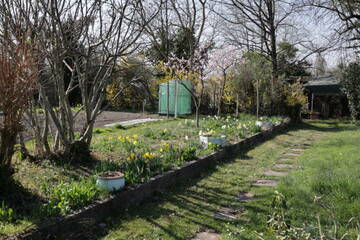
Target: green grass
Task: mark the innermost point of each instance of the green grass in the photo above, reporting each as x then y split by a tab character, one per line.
330	174
330	164
33	180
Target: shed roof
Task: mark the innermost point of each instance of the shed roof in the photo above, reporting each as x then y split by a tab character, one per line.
327	85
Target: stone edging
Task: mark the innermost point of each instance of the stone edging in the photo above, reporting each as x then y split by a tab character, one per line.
100	210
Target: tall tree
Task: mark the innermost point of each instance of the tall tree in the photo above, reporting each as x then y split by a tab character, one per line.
261	22
347	11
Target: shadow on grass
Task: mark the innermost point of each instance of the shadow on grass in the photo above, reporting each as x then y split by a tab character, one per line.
197	204
21	200
325	126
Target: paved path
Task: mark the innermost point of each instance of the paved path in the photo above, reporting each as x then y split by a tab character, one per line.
132	122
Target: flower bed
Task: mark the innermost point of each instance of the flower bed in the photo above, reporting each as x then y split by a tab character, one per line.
137	194
140	153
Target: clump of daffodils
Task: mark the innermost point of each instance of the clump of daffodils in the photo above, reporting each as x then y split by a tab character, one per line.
131	157
148	155
129	139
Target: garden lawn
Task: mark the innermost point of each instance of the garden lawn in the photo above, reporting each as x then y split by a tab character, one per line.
328	169
52	187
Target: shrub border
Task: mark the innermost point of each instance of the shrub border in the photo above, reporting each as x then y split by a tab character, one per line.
100	210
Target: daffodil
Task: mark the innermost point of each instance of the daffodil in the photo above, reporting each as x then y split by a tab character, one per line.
135	142
135	136
161	150
131	157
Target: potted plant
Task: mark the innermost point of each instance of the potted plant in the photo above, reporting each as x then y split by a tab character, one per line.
211	136
111	181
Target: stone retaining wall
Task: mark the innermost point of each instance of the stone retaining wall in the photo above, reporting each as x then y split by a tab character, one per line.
100	210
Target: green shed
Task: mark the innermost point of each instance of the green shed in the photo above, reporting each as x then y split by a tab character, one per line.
179	97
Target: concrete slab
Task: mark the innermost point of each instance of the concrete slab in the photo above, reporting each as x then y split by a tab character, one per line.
297	149
272	173
286	159
265	183
245	197
206	236
294	154
224	216
132	122
283	165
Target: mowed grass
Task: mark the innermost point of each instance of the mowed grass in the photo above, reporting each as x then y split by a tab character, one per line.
32	181
188	209
327	187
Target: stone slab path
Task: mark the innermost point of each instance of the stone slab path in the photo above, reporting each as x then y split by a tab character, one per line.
265	183
206	236
294	154
245	197
283	165
219	203
272	173
286	159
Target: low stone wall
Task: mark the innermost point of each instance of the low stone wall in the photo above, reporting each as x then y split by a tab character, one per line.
100	210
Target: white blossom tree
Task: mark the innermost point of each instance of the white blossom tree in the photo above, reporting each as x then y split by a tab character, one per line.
220	63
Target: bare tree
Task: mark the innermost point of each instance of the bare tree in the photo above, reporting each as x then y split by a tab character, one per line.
348	11
86	37
256	26
18	75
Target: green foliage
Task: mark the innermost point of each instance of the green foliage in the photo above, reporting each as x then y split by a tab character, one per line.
184	43
147	132
288	65
280	224
165	134
107	166
213	146
140	166
6	214
119	126
351	84
133	81
188	153
67	197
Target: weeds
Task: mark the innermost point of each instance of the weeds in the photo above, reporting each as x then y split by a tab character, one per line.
6	214
67	197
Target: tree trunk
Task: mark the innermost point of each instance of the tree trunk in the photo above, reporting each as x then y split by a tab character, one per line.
237	105
257	100
7	149
197	116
